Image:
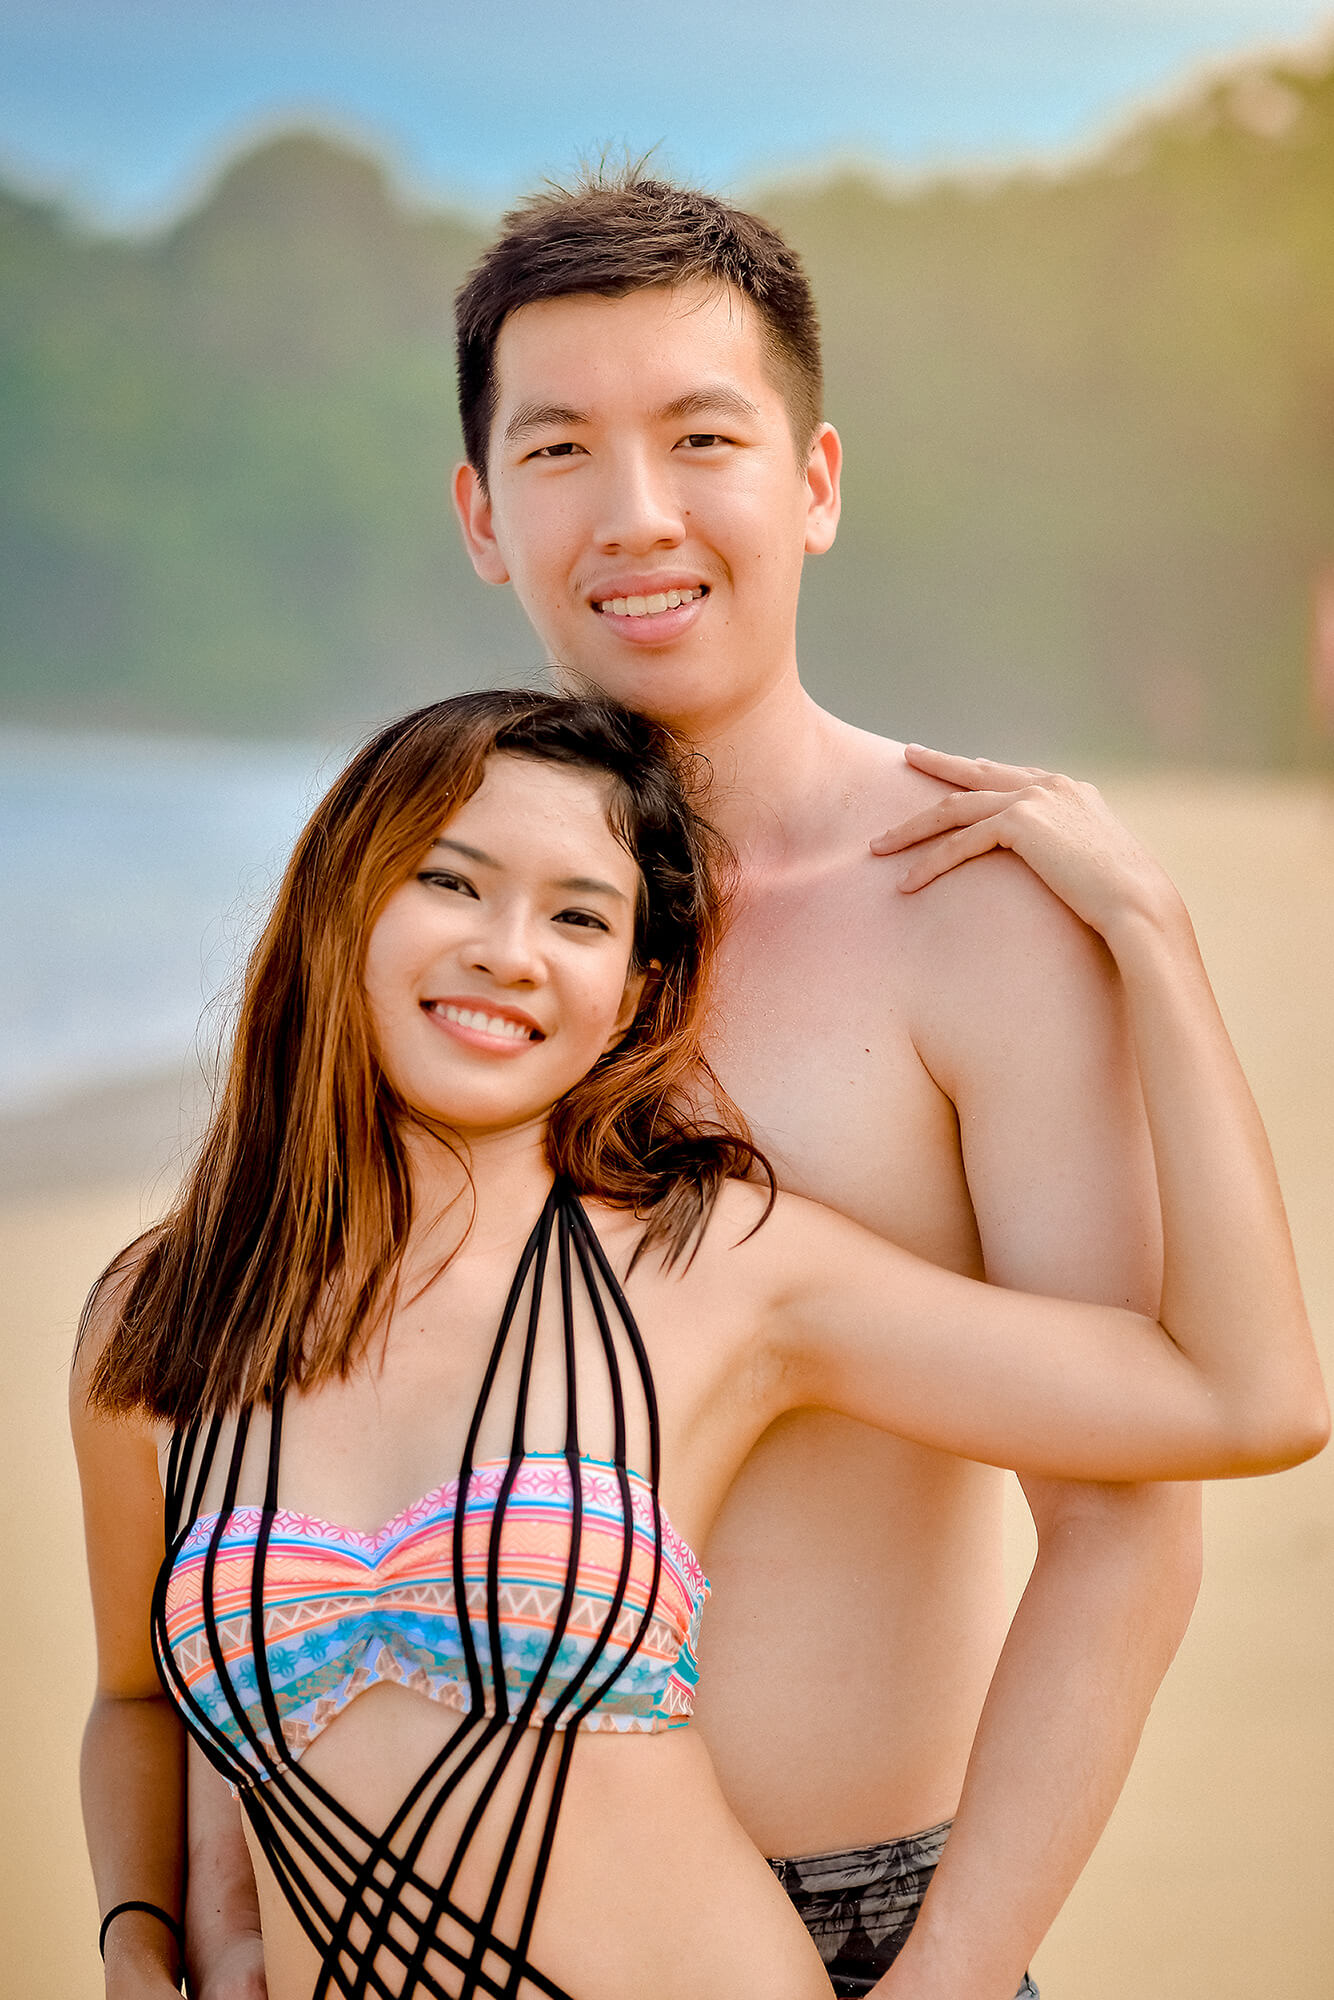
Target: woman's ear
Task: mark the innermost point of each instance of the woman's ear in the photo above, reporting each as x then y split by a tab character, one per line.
639	990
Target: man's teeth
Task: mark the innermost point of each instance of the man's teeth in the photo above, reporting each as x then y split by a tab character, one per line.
490	1024
648	607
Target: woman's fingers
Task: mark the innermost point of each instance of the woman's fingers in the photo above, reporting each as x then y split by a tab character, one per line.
1060	827
948	850
951	809
971	773
982	786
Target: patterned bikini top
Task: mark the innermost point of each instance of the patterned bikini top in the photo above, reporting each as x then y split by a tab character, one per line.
343	1611
267	1623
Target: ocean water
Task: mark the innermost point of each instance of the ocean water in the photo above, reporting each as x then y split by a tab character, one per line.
134	874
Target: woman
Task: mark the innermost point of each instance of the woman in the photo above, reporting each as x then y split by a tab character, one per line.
464	1091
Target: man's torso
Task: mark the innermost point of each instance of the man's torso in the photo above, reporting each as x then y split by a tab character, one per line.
858	1602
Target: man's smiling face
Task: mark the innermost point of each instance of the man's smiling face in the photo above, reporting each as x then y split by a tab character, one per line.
646	499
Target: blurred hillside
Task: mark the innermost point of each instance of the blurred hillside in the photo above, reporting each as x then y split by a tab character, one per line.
1089	420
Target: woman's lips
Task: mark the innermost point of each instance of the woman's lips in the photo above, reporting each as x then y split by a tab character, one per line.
481	1025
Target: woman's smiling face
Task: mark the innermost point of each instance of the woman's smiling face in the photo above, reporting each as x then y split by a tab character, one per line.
499	972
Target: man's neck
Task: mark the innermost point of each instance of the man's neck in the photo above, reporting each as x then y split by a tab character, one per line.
771	768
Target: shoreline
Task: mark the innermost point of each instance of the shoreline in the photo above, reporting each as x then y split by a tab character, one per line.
138	1132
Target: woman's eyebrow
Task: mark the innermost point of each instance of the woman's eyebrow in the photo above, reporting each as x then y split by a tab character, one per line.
469	853
587	885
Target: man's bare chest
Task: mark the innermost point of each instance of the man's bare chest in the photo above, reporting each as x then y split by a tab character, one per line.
818	987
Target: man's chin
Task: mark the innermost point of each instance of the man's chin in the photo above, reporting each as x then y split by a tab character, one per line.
648	693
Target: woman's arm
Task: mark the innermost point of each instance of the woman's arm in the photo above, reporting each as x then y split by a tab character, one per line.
133	1753
1227	1382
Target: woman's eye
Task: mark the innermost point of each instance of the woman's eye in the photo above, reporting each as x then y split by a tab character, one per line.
583	919
444	878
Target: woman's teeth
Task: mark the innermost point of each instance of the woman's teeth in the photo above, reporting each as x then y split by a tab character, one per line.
648	607
488	1024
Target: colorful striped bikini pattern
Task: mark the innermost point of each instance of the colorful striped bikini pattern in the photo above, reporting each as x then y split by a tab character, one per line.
565	1568
345	1610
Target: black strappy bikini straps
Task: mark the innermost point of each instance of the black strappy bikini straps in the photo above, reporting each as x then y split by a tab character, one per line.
382	1930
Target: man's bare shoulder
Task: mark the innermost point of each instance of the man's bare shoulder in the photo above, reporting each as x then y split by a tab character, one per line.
993	904
1005	984
995	910
986	948
876	777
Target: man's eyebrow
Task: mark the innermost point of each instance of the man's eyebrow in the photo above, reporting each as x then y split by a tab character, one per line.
715	399
541	416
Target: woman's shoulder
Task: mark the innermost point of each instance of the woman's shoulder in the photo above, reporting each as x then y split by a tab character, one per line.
754	1233
99	1322
751	1241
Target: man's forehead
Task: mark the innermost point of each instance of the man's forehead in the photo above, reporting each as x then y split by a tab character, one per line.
686	337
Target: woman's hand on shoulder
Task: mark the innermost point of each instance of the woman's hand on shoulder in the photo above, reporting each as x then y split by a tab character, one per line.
1062	828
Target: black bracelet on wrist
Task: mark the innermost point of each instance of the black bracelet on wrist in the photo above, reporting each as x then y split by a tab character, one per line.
173	1924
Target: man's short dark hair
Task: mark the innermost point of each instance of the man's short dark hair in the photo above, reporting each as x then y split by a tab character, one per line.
612	235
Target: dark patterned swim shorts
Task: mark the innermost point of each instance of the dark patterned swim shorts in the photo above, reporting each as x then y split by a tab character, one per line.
859	1905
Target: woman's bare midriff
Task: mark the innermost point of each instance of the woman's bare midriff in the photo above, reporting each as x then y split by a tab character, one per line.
652	1889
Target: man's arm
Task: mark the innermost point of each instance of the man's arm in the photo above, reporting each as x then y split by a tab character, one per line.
224	1951
1020	1022
1110	1596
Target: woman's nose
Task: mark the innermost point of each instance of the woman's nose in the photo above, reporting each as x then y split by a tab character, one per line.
508	949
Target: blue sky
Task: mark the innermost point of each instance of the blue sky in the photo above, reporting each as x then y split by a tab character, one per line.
125	106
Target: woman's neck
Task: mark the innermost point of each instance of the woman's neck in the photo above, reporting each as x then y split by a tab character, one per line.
486	1186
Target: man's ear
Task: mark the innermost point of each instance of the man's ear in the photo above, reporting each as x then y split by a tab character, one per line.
823	468
638	987
472	504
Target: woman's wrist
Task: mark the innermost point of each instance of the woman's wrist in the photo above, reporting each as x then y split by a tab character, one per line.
1154	922
141	1956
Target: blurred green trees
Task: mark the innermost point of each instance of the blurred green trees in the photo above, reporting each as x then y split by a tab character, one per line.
1089	420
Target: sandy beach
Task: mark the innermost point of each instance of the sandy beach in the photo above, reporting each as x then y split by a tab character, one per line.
1213	1880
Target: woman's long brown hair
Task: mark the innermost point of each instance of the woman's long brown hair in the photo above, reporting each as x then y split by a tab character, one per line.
284	1242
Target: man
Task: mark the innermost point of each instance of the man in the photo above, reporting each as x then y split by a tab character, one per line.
647	467
640	390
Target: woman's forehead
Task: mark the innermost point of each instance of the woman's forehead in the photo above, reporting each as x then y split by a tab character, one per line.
532	807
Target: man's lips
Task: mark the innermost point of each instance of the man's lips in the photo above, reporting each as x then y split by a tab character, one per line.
484	1024
648	615
647	600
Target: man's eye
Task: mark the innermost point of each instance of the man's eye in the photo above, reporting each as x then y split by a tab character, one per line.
566	449
701	440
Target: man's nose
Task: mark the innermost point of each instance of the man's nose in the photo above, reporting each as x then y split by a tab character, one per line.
640	508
